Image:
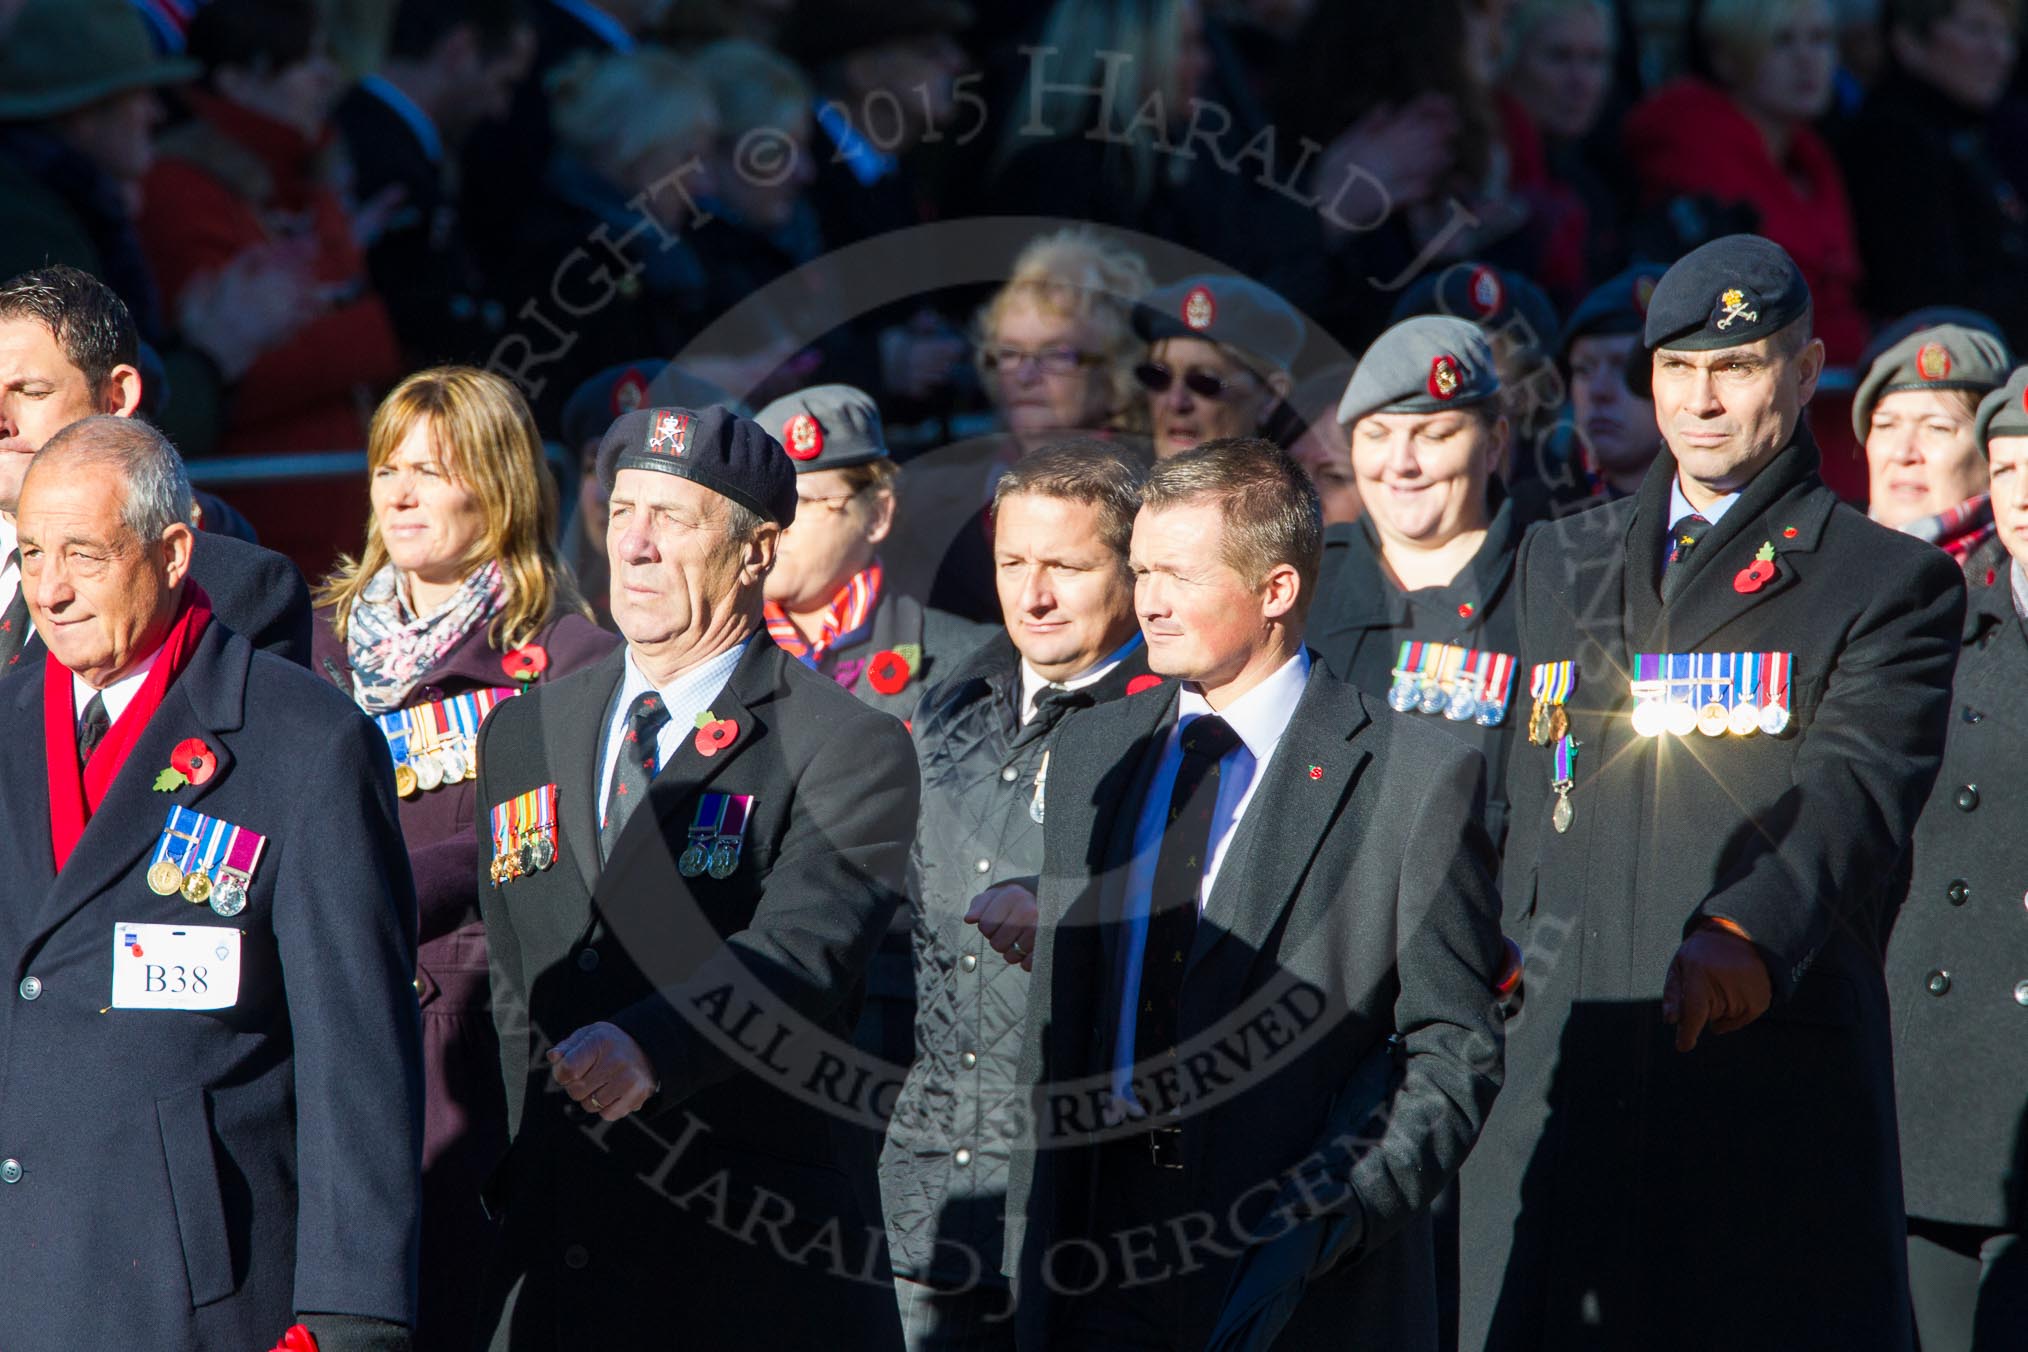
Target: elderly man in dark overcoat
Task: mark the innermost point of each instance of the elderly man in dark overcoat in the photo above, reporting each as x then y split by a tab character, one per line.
211	1121
695	846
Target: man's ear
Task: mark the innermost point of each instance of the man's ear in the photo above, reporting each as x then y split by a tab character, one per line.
1281	591
120	395
760	551
1809	366
176	545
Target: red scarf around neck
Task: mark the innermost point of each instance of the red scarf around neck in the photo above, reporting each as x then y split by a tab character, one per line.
75	793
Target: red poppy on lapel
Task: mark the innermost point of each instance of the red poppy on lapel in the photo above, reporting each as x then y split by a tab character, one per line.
1146	681
192	762
1757	574
526	662
714	734
888	672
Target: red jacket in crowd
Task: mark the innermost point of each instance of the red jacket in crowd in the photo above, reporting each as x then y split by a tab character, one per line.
231	181
1689	137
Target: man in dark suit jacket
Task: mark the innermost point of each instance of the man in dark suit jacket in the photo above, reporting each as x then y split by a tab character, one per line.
696	845
1696	1144
213	1124
1256	882
451	66
68	350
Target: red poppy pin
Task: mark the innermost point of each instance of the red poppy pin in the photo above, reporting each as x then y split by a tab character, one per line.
527	662
297	1339
192	762
1316	772
714	734
888	672
1145	681
1757	574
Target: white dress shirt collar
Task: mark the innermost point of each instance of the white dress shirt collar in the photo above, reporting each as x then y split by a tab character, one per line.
116	696
1262	714
1034	682
10	571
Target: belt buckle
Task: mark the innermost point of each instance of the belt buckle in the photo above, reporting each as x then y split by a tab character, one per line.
1165	1147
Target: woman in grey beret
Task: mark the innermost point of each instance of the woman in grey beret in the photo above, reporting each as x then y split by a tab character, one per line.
1926	473
1957	957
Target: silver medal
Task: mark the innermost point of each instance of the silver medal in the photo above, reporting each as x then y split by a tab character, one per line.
228	898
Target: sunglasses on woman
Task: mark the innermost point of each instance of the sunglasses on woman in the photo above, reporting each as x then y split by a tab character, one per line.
1156	378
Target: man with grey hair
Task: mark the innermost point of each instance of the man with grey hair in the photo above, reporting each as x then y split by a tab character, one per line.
1264	964
212	1128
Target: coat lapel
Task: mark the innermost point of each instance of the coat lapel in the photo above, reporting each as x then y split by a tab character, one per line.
1300	792
1116	818
207	700
573	735
1714	600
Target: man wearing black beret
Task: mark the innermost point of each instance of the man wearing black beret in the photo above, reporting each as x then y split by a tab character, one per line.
695	846
1745	685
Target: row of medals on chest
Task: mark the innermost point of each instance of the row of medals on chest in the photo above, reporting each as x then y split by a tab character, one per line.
227	895
531	852
450	761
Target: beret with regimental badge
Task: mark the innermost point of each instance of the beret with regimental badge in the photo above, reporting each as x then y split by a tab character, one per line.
1945	357
827	427
2003	413
1235	311
714	447
1728	293
1422	365
1498	301
1615	307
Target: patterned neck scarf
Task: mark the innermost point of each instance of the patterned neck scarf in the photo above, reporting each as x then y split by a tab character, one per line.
391	649
1958	531
849	612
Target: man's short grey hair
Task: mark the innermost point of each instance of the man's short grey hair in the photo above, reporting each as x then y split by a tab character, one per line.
157	484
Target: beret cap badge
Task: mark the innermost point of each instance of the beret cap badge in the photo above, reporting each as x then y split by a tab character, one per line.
1199	309
1488	295
672	433
1733	305
1444	377
1933	362
803	437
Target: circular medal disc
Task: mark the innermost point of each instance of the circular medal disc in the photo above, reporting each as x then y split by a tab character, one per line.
404	781
229	897
524	854
453	764
1401	697
165	879
1774	720
1745	720
1464	704
1680	719
1713	721
1650	720
724	860
1538	724
692	862
1559	723
1490	714
1433	698
428	774
545	852
197	889
1560	815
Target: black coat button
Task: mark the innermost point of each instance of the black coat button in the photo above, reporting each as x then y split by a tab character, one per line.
576	1258
1938	982
1958	892
1972	715
587	960
1968	798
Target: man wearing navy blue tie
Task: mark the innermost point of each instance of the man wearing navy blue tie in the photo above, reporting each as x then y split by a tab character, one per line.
1257	882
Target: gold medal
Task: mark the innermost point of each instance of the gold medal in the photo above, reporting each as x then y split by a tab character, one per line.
404	781
1745	720
1559	723
197	889
165	879
1538	724
1713	720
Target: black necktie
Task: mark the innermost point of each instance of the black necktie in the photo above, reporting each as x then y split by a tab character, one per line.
14	619
634	768
1179	877
93	730
1683	538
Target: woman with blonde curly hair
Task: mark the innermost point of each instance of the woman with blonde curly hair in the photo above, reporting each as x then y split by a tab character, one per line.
457	601
1056	344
